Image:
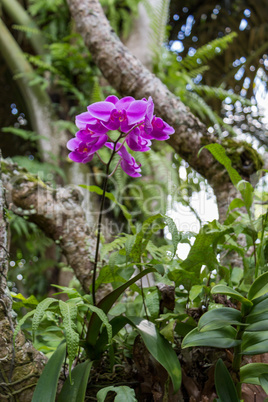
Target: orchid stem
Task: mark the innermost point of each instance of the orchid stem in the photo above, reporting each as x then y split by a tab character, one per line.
98	155
99	222
110	175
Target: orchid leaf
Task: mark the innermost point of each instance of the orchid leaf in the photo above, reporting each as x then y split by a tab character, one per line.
224	384
76	392
46	387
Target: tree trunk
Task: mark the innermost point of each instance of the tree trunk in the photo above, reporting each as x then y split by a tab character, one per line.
20	366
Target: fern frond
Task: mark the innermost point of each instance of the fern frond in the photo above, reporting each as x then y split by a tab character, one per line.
197	104
69	314
117	244
26	29
159	22
221	94
40	311
207	52
20	323
196	71
97	94
103	317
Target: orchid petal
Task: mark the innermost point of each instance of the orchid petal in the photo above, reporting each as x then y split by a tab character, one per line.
73	144
83	119
101	110
136	112
112	98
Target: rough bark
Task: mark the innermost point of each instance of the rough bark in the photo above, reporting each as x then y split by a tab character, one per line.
130	77
19	366
58	212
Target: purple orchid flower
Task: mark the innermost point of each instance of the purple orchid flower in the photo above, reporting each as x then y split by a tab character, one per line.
135	120
154	128
136	142
83	147
85	121
127	163
120	114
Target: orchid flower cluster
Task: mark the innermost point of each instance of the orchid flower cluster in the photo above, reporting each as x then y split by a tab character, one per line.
134	119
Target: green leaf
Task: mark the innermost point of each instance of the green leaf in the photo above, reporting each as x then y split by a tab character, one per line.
47	384
226	290
224	384
219	153
159	348
176	237
259	287
69	315
103	317
254	343
143	237
105	304
203	252
77	391
258	308
40	311
236	203
264	382
246	191
261	325
220	338
250	373
218	318
20	323
123	394
195	291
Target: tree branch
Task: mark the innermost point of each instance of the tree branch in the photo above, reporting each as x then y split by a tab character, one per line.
57	212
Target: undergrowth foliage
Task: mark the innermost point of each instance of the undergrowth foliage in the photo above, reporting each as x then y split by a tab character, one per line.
81	333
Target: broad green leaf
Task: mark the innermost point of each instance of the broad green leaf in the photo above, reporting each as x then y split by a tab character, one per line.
20	323
69	315
183	328
259	287
143	237
40	311
203	250
237	274
264	382
236	203
246	191
258	308
226	290
152	302
218	318
220	338
111	197
250	373
195	291
159	348
254	343
123	394
27	302
219	153
77	391
47	384
258	326
224	384
105	304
